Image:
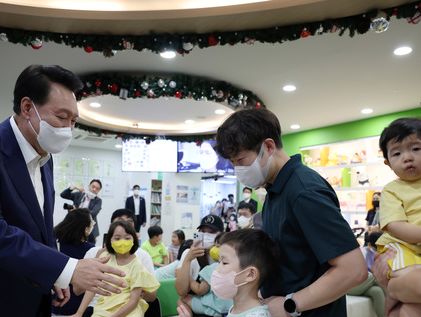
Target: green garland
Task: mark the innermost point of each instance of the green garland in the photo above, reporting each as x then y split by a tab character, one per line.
184	43
176	85
127	136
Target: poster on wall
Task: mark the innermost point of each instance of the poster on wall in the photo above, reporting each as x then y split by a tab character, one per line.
186	220
182	194
79	167
95	168
194	196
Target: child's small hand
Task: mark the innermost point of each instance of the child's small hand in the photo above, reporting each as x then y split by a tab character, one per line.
184	311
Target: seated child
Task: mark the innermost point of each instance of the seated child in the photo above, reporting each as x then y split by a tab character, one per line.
155	247
177	239
400	204
121	244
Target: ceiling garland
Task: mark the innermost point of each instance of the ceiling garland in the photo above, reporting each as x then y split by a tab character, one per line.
170	85
109	45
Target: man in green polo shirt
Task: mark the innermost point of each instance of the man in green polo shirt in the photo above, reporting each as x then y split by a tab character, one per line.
320	257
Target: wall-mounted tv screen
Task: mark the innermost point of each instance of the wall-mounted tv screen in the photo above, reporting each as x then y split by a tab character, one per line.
201	158
138	155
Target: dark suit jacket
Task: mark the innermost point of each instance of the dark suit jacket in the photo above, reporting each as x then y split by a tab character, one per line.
94	207
141	218
29	261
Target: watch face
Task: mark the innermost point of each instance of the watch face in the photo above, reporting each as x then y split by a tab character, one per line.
289	305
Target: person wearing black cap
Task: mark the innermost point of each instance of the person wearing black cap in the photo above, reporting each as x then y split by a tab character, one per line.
192	277
193	259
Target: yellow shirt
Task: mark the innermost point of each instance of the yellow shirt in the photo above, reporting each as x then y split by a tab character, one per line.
136	276
400	201
156	252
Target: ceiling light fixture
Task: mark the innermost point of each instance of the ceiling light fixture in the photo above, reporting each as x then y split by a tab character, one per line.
189	121
95	105
219	111
367	111
118	146
289	88
295	126
167	54
403	50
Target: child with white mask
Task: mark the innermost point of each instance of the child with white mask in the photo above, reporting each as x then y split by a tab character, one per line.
247	257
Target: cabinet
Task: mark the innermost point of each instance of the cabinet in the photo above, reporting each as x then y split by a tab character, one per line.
156	200
355	169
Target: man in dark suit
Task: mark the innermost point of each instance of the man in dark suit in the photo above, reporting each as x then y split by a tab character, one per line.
88	199
30	265
136	204
247	197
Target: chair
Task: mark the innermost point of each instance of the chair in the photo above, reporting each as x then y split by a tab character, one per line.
168	298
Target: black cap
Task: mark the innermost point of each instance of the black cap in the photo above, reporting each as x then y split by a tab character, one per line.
213	222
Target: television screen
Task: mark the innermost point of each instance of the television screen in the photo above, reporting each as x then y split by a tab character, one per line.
154	156
201	158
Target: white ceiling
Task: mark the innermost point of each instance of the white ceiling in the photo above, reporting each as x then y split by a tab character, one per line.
335	76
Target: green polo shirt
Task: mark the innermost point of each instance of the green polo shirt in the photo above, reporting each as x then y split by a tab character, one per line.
301	213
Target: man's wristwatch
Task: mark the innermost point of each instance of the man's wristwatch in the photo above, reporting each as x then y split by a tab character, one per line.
290	306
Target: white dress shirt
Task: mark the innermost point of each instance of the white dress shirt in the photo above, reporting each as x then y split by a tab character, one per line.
136	204
34	162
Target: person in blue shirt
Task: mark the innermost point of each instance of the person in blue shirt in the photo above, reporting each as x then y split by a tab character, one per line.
320	257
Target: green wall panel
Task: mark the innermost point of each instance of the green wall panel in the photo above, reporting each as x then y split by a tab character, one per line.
343	132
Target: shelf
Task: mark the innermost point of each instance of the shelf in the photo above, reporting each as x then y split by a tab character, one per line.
358	188
156	191
379	162
155	203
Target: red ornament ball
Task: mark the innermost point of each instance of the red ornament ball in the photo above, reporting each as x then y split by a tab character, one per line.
258	105
305	33
212	40
88	49
137	93
178	94
98	83
114	88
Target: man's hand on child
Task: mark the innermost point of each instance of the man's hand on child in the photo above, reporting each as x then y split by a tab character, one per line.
381	268
275	304
184	311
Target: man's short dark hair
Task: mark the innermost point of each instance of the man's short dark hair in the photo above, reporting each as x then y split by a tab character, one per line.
128	228
97	181
154	231
398	130
122	212
35	83
247	188
246	130
244	205
254	248
136	187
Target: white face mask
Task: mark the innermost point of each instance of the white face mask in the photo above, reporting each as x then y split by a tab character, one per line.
136	192
246	196
90	194
52	139
243	221
254	175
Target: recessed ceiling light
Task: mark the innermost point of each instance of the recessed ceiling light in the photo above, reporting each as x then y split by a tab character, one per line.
289	88
295	126
219	111
95	105
118	146
167	54
189	121
367	111
403	50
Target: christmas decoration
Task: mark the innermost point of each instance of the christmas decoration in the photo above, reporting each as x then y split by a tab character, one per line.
36	43
184	43
380	23
88	49
179	86
3	37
